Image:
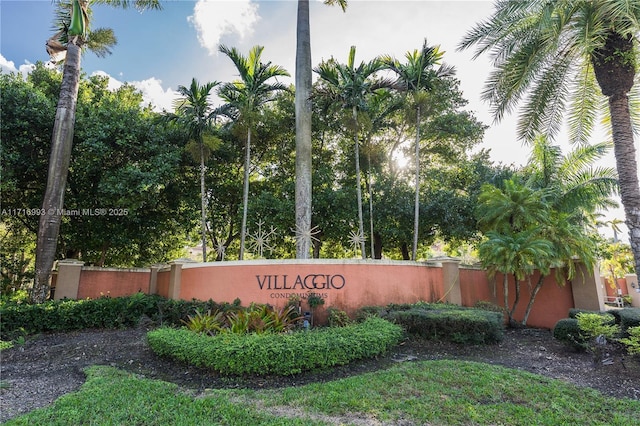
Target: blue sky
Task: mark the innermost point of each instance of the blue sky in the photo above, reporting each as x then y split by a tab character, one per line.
159	50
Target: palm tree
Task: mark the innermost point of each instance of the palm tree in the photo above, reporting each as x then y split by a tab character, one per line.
350	87
417	78
303	127
195	112
244	98
73	34
553	57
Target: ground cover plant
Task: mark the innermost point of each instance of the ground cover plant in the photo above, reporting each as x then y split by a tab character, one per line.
429	392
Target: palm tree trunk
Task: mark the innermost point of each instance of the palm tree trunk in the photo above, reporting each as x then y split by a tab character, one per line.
203	210
534	293
358	188
61	144
416	207
370	187
245	195
625	154
505	295
303	131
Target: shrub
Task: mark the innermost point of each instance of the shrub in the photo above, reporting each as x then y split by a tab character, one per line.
567	330
629	317
460	325
281	354
19	319
633	341
595	325
337	318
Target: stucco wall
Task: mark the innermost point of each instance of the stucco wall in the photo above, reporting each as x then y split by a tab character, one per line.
96	282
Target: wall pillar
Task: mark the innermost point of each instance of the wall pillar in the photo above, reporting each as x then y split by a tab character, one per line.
633	289
175	278
153	278
451	280
588	292
68	280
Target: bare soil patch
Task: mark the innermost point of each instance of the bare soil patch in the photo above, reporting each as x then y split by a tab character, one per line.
48	366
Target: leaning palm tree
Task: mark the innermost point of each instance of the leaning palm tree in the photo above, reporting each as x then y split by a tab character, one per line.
73	19
350	87
195	112
303	127
244	98
553	57
417	77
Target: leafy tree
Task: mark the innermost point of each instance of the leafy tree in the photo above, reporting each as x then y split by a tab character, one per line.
561	56
244	98
195	112
74	33
123	160
303	77
417	78
350	87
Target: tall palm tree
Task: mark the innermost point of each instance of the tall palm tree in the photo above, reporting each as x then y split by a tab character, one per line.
417	77
553	57
245	98
73	19
195	111
303	127
350	87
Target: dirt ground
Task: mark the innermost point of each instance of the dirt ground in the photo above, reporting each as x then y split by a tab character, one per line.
47	366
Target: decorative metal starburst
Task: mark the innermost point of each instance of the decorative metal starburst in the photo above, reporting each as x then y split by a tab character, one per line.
306	235
260	240
220	250
356	239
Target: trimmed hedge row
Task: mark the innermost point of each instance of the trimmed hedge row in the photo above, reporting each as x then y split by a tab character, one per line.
106	312
457	325
280	354
443	321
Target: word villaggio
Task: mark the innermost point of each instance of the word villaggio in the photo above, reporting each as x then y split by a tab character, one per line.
301	282
65	212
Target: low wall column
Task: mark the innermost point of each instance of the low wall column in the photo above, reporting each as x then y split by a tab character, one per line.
633	289
175	278
587	289
153	278
68	280
451	279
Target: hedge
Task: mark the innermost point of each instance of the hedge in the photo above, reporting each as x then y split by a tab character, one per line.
280	354
106	312
450	322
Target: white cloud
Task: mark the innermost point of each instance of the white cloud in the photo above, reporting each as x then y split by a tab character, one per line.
152	91
7	67
215	18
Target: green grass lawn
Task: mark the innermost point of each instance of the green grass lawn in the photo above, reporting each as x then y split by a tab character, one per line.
427	392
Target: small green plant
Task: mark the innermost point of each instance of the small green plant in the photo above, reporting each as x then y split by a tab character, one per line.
5	345
598	330
314	300
337	318
207	323
633	341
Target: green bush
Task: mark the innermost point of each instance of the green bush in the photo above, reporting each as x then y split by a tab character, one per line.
629	317
457	324
337	318
633	341
281	354
567	330
19	319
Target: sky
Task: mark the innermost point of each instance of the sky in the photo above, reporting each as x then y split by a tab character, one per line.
158	51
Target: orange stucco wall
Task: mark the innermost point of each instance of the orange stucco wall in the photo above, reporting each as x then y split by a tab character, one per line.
347	285
96	282
163	282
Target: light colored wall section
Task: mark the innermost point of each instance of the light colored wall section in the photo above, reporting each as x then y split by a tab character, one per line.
68	279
